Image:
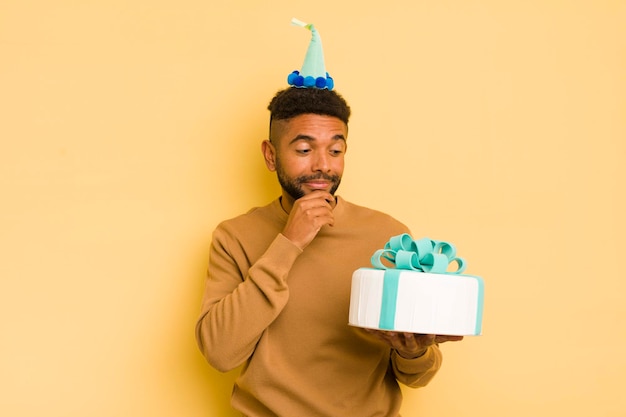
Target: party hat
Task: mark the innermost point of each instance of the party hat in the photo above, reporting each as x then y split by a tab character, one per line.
313	73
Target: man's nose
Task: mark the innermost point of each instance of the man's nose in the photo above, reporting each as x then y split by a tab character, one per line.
321	162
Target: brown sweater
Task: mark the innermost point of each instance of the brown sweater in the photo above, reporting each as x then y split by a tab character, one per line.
284	312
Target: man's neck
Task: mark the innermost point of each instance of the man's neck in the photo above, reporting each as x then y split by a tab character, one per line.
286	202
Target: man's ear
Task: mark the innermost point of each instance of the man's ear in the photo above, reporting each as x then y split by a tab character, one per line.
269	154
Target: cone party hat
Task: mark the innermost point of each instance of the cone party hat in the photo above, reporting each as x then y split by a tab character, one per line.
313	72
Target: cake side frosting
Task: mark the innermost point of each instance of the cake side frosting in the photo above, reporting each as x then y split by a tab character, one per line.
446	304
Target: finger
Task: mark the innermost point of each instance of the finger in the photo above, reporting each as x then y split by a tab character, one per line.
445	338
307	207
319	195
409	340
425	339
319	214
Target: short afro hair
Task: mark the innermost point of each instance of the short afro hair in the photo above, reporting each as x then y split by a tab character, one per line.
294	101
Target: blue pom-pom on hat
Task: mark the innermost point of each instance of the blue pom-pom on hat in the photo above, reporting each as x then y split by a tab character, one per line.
291	78
313	73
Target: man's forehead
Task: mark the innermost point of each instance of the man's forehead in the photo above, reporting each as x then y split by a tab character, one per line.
308	138
310	126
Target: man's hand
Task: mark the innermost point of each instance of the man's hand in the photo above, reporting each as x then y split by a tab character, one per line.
308	215
411	345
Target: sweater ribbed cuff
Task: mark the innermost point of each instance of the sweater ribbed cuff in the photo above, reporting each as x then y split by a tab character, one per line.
412	366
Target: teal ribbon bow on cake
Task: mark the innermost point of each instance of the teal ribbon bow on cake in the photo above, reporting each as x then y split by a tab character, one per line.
405	253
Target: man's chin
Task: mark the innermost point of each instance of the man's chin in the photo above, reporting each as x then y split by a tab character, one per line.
303	189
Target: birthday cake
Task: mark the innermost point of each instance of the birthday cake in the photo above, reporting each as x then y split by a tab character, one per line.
410	289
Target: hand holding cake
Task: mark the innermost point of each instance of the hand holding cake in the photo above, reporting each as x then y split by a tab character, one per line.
411	345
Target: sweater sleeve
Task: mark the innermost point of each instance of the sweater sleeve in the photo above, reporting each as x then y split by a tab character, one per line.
237	309
416	372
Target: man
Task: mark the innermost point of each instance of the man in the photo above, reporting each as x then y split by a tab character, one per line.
279	279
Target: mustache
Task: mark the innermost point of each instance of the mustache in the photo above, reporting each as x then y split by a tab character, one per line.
321	176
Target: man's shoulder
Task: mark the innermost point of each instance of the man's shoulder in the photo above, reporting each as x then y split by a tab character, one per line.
358	209
252	219
368	214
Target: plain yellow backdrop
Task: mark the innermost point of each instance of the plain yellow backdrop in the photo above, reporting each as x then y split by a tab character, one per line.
130	128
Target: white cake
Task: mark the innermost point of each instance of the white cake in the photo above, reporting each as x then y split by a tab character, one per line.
413	288
444	304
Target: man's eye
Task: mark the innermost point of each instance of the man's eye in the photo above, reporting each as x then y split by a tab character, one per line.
303	151
336	152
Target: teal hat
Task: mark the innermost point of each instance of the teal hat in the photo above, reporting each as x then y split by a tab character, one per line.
313	73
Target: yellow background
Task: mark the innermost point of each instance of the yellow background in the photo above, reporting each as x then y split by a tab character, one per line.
129	128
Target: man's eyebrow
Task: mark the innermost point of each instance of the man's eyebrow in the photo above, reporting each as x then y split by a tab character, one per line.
308	138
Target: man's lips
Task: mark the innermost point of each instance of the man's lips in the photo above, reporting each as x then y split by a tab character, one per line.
317	184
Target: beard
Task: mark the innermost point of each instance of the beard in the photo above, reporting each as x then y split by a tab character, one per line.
293	186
